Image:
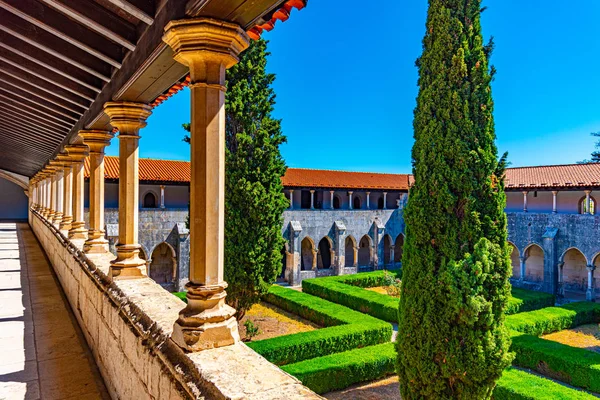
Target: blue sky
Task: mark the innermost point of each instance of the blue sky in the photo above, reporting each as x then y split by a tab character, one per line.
346	84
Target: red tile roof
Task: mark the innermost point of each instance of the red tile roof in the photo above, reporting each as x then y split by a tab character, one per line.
150	170
552	176
298	177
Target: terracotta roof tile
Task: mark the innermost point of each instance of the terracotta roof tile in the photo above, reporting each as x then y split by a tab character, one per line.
297	177
554	176
150	170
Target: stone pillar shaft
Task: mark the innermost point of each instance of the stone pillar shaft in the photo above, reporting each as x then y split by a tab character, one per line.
523	262
368	200
128	118
162	196
208	47
561	287
67	217
524	201
96	140
291	199
554	193
59	196
350	205
312	199
589	294
588	202
78	153
52	207
331	199
384	200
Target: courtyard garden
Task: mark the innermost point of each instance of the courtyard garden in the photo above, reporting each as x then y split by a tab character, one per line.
349	341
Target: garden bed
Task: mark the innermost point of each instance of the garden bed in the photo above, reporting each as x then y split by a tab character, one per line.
584	337
272	321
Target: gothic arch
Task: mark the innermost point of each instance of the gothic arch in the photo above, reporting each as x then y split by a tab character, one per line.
356	202
365	247
574	271
581	205
150	200
398	248
534	263
387	249
349	251
163	265
307	256
324	253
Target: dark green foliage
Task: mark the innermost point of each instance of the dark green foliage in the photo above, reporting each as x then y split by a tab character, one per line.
341	291
456	263
254	199
251	329
553	319
347	329
181	295
596	154
577	367
521	385
528	300
338	371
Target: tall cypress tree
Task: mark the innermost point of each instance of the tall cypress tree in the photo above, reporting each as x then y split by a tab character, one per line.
452	342
254	199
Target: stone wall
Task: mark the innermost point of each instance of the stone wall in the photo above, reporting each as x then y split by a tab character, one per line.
128	325
555	234
157	225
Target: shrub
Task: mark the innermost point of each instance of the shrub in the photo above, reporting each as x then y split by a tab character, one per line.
338	371
575	366
521	385
181	295
553	319
522	300
349	293
346	329
251	329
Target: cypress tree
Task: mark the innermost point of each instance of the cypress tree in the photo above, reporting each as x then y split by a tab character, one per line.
254	199
451	341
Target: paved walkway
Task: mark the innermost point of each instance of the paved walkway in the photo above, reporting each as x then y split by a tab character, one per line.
43	353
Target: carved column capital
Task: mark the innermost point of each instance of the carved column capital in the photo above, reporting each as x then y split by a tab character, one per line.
96	140
127	117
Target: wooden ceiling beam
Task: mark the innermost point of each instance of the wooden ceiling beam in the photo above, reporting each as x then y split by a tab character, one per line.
17	109
26	63
28	123
23	103
41	104
63	28
42	85
82	13
25	133
28	89
42	42
7	140
138	11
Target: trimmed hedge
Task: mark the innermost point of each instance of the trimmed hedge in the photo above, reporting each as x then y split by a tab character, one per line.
553	319
347	329
348	291
522	300
520	385
572	365
338	371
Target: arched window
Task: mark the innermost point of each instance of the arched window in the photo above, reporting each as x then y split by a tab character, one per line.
398	249
380	203
364	252
324	256
149	200
163	267
583	206
349	252
336	202
356	203
387	250
307	256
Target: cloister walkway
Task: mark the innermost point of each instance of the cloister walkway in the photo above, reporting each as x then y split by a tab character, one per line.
43	353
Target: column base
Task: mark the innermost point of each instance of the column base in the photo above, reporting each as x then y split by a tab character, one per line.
78	231
96	243
57	219
65	225
589	295
128	264
206	322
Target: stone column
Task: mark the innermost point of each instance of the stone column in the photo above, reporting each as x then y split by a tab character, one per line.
312	199
355	265
384	200
368	200
315	253
523	260
554	193
52	191
588	203
294	263
43	190
162	196
524	201
47	192
331	199
128	118
392	254
78	153
59	193
291	199
208	47
589	294
561	287
96	141
339	247
350	200
67	217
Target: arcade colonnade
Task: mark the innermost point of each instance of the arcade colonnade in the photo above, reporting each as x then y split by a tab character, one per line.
207	47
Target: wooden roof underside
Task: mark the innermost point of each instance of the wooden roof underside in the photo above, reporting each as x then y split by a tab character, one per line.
61	60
